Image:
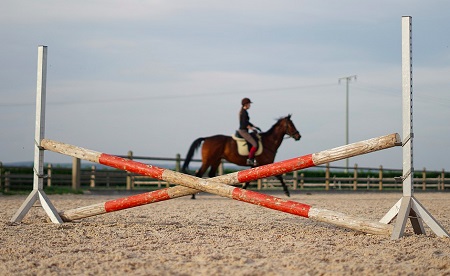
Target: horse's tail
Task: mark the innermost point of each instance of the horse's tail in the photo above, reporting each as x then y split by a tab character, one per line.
195	145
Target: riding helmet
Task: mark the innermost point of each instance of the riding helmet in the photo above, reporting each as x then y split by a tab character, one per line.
246	101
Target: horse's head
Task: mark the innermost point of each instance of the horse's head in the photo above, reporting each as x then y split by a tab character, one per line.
291	130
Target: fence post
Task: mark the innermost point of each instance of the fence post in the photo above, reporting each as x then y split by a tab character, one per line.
355	177
302	180
424	179
49	175
443	180
438	182
92	180
294	180
7	183
76	164
380	178
130	185
178	163
327	177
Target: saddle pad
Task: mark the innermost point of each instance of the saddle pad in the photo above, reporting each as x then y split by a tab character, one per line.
243	148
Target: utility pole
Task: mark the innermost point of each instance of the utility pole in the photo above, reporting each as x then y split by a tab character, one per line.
347	79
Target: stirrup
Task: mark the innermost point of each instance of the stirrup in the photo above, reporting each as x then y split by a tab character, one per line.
252	162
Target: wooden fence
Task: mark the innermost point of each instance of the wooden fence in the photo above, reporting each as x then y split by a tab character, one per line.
332	178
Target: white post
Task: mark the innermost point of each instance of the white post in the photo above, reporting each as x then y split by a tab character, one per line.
38	181
408	206
407	107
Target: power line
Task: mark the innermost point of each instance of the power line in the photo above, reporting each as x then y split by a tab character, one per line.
176	96
394	92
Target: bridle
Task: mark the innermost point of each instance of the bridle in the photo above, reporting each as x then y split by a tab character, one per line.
291	135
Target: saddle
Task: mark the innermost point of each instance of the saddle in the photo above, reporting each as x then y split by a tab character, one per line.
243	147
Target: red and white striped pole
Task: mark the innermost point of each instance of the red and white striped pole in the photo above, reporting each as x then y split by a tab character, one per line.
213	186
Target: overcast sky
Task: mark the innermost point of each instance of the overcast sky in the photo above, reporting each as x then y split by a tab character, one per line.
152	76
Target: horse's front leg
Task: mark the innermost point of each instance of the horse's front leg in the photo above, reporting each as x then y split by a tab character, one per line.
245	185
285	188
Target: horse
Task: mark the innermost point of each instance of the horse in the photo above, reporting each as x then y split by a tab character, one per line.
218	147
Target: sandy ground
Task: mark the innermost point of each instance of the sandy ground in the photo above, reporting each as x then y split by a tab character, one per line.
219	236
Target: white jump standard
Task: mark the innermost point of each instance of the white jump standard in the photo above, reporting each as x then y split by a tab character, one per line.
408	206
38	167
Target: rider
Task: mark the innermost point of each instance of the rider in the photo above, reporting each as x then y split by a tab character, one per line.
244	127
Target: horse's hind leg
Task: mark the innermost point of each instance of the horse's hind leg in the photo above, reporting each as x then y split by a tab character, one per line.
285	188
214	167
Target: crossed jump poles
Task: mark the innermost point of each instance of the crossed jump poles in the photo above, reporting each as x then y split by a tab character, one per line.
221	185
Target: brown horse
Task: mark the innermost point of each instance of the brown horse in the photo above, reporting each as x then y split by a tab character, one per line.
218	147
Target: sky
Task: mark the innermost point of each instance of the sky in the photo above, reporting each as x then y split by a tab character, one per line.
153	76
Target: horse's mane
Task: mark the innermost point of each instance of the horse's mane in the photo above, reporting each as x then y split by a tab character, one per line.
272	129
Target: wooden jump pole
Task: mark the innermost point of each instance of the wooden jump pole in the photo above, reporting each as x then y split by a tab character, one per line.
213	186
298	163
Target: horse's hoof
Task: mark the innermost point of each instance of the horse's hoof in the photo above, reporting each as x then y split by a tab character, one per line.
287	194
193	197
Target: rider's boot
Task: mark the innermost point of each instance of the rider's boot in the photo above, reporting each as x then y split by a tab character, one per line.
251	157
